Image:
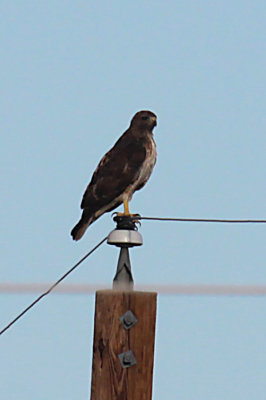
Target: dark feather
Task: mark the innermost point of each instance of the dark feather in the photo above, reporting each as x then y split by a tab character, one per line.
117	171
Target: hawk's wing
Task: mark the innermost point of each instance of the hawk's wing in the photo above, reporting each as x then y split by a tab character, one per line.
118	169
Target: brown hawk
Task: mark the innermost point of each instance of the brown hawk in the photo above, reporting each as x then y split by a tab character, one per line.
123	170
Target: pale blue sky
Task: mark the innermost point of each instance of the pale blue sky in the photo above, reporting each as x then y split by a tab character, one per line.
72	76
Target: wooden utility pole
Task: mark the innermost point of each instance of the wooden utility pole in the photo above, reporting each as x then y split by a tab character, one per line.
124	330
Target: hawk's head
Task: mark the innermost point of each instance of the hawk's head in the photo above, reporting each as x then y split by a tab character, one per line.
144	120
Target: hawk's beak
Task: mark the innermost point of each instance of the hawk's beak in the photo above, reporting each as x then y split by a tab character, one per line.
154	120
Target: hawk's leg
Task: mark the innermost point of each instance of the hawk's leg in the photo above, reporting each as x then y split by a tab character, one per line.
126	211
126	207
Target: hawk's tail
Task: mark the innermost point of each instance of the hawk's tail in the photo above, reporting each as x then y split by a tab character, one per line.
81	227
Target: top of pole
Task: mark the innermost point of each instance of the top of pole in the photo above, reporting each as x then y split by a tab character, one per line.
124	236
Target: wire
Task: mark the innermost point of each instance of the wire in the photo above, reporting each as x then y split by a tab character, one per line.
234	221
227	221
162	289
52	287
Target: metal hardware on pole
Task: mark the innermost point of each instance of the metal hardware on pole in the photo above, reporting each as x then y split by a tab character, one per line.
124	236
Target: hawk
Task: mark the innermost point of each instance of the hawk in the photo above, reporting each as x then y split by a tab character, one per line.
122	170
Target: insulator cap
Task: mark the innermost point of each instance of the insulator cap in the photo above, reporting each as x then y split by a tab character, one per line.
124	238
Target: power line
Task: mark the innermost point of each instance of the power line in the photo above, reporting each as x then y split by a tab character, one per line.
179	289
163	289
215	220
52	287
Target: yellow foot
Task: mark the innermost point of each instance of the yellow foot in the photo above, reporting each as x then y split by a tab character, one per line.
127	215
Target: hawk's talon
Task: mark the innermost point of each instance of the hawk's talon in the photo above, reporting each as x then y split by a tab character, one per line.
126	221
134	217
125	215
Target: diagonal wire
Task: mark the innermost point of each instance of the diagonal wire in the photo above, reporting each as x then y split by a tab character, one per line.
169	219
227	221
52	287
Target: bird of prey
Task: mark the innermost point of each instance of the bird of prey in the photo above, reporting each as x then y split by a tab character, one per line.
122	170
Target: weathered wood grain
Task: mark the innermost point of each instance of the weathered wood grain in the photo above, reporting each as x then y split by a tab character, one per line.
109	380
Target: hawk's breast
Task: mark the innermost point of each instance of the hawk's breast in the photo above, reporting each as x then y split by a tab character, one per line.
146	168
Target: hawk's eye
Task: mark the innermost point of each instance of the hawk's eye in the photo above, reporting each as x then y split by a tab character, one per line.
144	118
